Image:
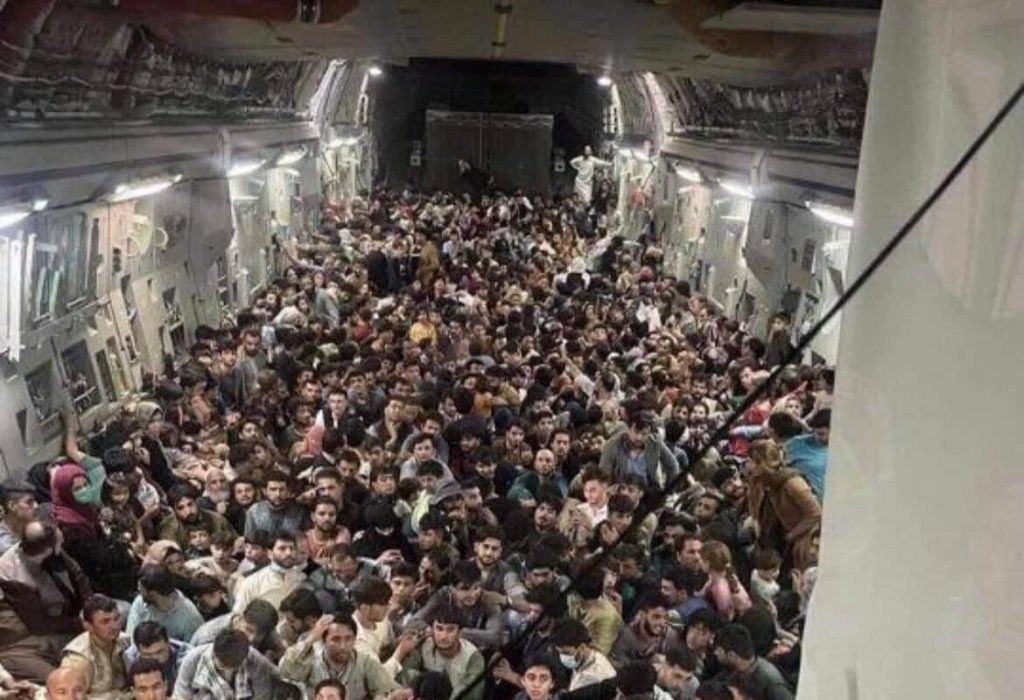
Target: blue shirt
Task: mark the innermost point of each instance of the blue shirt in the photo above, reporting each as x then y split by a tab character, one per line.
810	458
181	621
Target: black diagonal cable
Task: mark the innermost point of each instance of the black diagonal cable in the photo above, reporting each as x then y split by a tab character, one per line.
794	356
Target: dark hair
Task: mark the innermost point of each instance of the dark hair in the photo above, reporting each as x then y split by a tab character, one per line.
636	678
278	476
713	690
432	685
488	532
201	584
652	599
547	661
595	473
285	535
149	632
231	648
323	501
326	473
344	618
446	614
466	573
551	598
405	570
156	578
430	468
372	590
302	603
735	638
682	657
784	425
591	586
433	520
766	558
261	615
143	666
180	491
570	633
620	503
95	603
260	538
330	683
682	579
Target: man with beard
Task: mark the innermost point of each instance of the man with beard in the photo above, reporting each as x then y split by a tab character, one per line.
251	360
328	652
544	475
639	451
43	590
544	520
480	617
333	582
734	650
186	515
159	601
278	511
648	634
501	583
325	532
275	581
98	652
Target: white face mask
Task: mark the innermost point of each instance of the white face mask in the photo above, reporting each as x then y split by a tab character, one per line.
569	661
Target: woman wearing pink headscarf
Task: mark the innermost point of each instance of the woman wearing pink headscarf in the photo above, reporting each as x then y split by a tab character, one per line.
76	497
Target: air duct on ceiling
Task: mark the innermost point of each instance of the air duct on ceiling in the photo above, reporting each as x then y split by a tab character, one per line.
307	11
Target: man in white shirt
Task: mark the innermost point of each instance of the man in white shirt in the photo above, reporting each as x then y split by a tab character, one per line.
274	581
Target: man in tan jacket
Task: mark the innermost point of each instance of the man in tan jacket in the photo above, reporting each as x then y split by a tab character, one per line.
98	652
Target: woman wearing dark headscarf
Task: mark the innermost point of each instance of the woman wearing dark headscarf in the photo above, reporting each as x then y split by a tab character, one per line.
108	562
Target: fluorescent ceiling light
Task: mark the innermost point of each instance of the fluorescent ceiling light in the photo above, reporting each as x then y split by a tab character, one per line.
245	167
375	71
339	141
292	172
13	216
40	204
290	157
690	174
832	214
605	81
734	217
626	152
737	188
140	188
244	198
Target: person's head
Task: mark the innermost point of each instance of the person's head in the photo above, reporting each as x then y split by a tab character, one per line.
820	425
182	499
329	689
152	642
156	585
344	564
446	629
230	650
595	486
325	514
402	578
688	552
639	427
384	480
636	678
301	609
146	678
572	641
17	502
423	447
561	443
734	647
101	618
328	484
199	539
243	492
283	551
433	527
277	489
66	683
39	540
700	629
545	515
544	462
467	584
340	638
715	557
539	676
432	685
429	474
707	507
547	600
620	512
257	621
488	545
257	546
679	667
652	614
371	597
767	562
678	584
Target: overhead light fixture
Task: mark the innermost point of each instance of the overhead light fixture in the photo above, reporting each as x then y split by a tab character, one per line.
292	172
245	167
244	198
339	141
626	152
605	81
375	71
290	157
40	204
738	189
142	188
734	217
832	214
690	174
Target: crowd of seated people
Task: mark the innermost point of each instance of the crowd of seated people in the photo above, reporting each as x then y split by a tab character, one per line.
454	449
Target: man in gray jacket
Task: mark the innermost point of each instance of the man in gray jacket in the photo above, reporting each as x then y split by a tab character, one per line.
639	450
228	669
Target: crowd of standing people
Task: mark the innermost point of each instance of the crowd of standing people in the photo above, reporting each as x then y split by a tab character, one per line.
426	463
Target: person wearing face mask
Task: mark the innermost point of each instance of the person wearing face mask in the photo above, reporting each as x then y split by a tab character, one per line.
76	497
43	589
587	665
